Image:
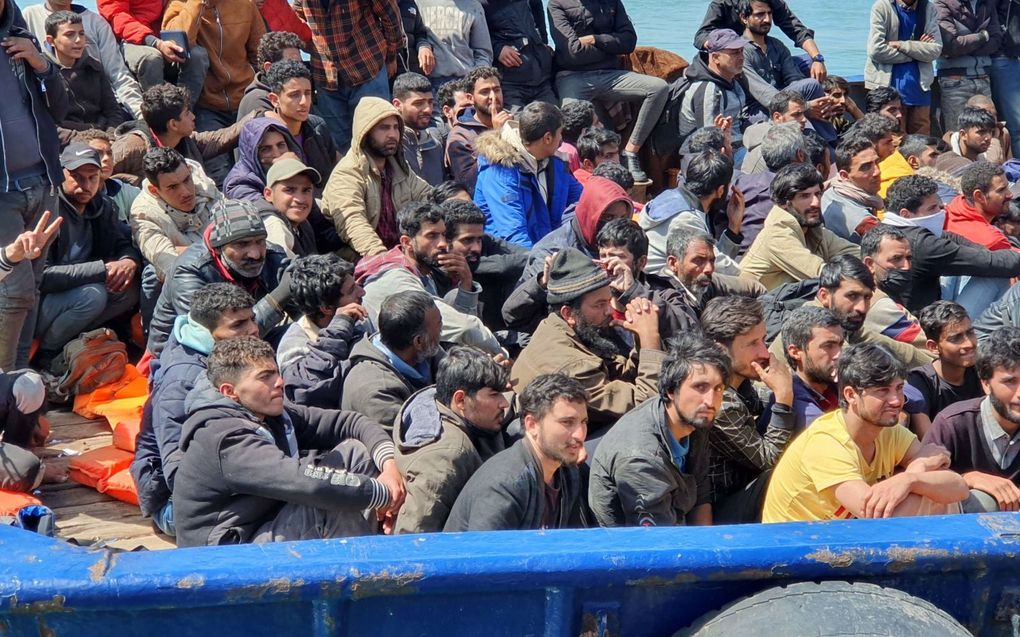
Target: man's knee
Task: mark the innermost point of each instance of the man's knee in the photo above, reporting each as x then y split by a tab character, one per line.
18	290
198	59
980	502
20	469
351	455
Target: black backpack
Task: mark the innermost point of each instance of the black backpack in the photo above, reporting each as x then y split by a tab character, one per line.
780	302
665	137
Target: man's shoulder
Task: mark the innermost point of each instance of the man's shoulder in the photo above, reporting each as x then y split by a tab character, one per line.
960	412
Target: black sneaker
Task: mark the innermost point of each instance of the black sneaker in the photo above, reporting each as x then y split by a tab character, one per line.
631	162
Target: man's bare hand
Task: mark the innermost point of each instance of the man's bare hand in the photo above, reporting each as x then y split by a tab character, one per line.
543	279
883	498
1002	489
931	458
354	311
24	49
510	57
119	274
426	60
818	71
778	378
587	40
620	275
29	245
171	51
642	321
735	210
501	118
456	267
390	478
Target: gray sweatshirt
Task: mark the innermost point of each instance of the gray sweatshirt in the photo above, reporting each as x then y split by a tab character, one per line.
459	35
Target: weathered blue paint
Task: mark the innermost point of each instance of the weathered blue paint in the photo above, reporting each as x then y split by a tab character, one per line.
629	581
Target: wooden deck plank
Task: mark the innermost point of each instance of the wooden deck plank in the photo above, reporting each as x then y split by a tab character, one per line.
82	513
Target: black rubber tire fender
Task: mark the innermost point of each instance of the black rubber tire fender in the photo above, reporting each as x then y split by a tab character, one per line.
827	609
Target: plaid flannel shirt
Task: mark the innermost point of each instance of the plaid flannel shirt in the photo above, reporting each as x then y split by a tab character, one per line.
353	39
738	453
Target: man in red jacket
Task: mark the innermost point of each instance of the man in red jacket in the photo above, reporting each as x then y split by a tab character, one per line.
152	59
986	195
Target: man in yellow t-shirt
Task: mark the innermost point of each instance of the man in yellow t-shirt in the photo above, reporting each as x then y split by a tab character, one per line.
843	466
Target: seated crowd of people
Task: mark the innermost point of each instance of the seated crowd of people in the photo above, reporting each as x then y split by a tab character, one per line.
408	287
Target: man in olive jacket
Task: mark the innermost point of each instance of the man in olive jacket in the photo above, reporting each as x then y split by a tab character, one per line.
444	433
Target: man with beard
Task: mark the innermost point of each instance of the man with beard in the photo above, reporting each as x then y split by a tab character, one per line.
951	378
913	206
980	433
814	340
444	433
740	458
850	204
535	484
845	464
422	143
792	245
483	86
705	196
717	91
91	271
652	468
233	249
577	339
601	202
847	288
690	271
412	265
972	137
986	196
398	360
494	263
372	182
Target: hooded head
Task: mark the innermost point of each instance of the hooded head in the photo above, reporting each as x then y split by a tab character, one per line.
601	202
370	112
257	135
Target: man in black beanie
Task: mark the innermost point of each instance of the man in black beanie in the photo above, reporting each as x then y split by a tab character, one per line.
578	339
233	250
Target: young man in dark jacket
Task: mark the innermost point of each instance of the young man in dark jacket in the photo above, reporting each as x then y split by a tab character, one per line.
255	471
952	377
423	144
485	87
30	170
590	37
980	433
314	353
651	469
273	47
234	250
912	204
520	45
534	484
444	433
219	311
92	101
92	269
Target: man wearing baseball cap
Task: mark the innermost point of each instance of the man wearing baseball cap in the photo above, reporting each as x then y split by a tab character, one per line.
717	93
289	197
91	272
578	339
233	250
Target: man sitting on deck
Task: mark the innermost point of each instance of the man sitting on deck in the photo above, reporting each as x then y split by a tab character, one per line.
255	471
219	311
534	484
843	465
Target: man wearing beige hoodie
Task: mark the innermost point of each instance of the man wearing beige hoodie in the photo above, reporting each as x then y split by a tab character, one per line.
372	182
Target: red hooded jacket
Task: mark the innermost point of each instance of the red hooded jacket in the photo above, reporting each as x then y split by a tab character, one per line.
964	219
599	193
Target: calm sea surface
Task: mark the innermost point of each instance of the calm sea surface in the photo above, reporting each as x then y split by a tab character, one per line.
841	26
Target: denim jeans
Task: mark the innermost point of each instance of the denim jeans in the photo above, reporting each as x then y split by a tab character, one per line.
207	120
975	294
337	107
164	519
19	291
1005	74
618	86
149	67
64	315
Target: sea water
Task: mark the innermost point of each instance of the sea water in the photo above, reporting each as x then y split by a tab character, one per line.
841	27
